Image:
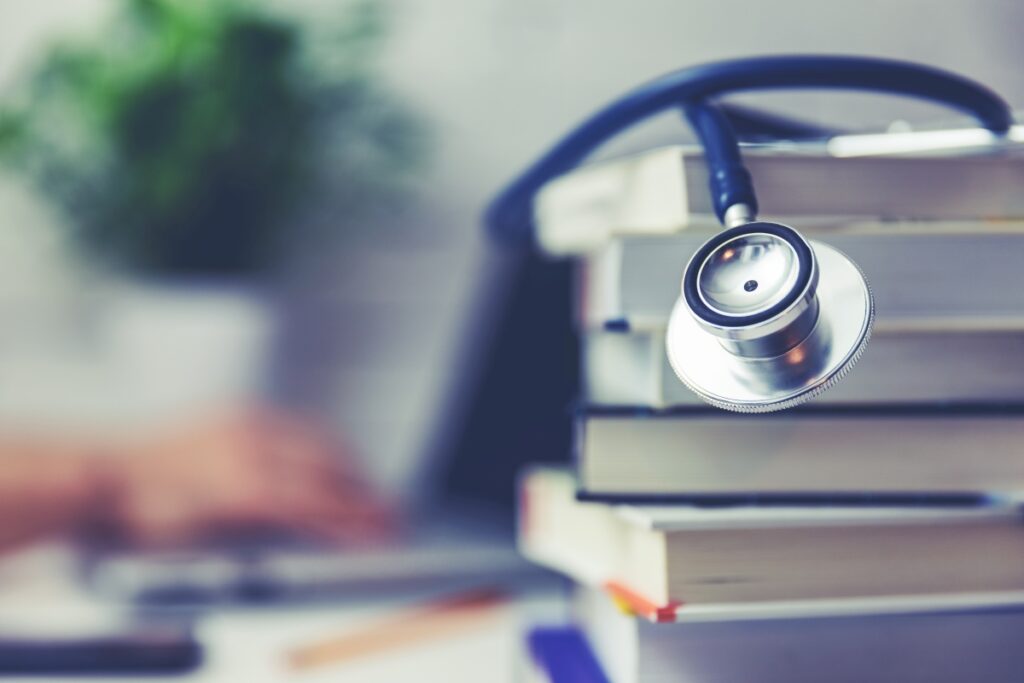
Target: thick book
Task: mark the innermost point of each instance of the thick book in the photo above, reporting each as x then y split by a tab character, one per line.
881	454
665	191
561	654
949	317
968	366
974	641
924	277
672	559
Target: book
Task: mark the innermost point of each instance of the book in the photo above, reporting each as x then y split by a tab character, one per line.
924	277
975	641
674	558
966	366
949	325
665	190
560	654
831	455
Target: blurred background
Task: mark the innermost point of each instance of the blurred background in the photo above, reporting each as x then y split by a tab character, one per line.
152	269
216	207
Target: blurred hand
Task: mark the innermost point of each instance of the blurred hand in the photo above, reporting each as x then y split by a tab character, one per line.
258	471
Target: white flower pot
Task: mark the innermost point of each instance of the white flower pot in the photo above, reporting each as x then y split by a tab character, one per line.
180	349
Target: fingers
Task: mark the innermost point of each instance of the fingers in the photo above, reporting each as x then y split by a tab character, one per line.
304	446
336	511
247	470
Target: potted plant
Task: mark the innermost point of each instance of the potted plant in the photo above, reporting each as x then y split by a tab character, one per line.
183	145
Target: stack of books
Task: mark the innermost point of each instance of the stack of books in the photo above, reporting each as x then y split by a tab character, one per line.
873	535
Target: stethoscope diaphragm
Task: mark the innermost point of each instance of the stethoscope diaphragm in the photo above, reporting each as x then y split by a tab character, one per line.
766	319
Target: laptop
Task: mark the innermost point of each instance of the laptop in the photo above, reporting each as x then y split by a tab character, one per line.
461	526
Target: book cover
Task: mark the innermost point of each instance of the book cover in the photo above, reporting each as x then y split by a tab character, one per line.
562	655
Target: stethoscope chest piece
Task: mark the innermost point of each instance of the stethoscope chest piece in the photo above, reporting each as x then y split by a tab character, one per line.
766	319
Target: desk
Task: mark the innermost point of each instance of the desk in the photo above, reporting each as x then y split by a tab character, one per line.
250	644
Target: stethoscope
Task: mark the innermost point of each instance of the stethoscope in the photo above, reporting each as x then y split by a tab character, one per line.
766	319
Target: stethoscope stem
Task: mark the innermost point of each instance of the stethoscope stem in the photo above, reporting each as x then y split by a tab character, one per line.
738	214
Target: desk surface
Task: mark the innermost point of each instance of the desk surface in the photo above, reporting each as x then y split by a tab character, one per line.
251	644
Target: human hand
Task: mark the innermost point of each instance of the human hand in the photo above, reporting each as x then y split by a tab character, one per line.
255	471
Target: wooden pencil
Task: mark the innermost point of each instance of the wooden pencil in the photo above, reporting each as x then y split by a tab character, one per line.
429	621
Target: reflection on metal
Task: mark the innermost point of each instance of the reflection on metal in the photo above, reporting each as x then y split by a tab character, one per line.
773	345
